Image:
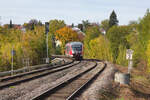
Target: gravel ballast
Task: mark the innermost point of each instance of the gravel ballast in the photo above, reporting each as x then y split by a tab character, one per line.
45	87
27	90
104	81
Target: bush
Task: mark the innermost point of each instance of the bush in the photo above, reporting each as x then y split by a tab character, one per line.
100	49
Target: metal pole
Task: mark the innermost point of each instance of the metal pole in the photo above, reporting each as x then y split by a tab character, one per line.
128	66
28	63
47	44
12	67
47	59
46	31
24	64
130	63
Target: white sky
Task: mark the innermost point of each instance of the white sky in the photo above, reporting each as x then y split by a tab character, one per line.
72	11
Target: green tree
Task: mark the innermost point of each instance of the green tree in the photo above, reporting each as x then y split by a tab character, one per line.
85	24
121	59
72	25
31	24
144	30
148	55
55	25
10	25
40	23
80	26
113	19
117	36
34	42
91	33
105	25
100	49
30	44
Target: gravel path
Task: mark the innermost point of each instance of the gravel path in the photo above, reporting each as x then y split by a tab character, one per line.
104	81
27	90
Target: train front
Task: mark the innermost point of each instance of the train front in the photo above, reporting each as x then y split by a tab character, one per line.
77	51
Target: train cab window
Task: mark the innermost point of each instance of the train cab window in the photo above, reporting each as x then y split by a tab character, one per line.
77	47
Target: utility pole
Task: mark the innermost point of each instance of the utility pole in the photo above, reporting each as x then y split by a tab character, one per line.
46	31
12	60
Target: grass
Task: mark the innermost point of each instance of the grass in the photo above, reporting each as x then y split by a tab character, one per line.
139	88
120	99
12	87
139	78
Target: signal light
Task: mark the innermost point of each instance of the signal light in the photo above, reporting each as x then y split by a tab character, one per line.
46	27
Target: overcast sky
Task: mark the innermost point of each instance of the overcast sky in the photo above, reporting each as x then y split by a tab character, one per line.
72	11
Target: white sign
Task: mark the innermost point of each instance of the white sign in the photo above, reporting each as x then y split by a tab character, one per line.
128	56
129	53
47	60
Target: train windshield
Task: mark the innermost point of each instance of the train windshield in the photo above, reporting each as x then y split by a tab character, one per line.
77	47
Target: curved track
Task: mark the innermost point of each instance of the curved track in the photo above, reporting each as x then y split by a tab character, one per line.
70	88
20	78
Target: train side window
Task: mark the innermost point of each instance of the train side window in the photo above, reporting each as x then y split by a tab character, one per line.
67	48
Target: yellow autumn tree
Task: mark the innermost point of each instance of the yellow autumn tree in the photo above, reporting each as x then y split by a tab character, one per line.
65	35
148	55
100	49
33	44
26	44
6	56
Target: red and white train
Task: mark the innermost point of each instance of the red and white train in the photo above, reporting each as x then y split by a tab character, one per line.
75	50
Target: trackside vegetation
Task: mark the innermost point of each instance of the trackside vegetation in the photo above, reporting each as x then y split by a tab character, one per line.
106	40
113	40
29	42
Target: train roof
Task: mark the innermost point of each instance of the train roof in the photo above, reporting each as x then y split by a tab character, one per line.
73	43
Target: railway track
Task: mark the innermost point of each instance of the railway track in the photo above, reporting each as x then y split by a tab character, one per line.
17	79
71	88
54	62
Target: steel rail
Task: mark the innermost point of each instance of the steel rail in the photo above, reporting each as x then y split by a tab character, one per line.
33	72
26	69
79	90
63	84
36	76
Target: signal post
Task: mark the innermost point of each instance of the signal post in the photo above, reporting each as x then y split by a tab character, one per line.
46	31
